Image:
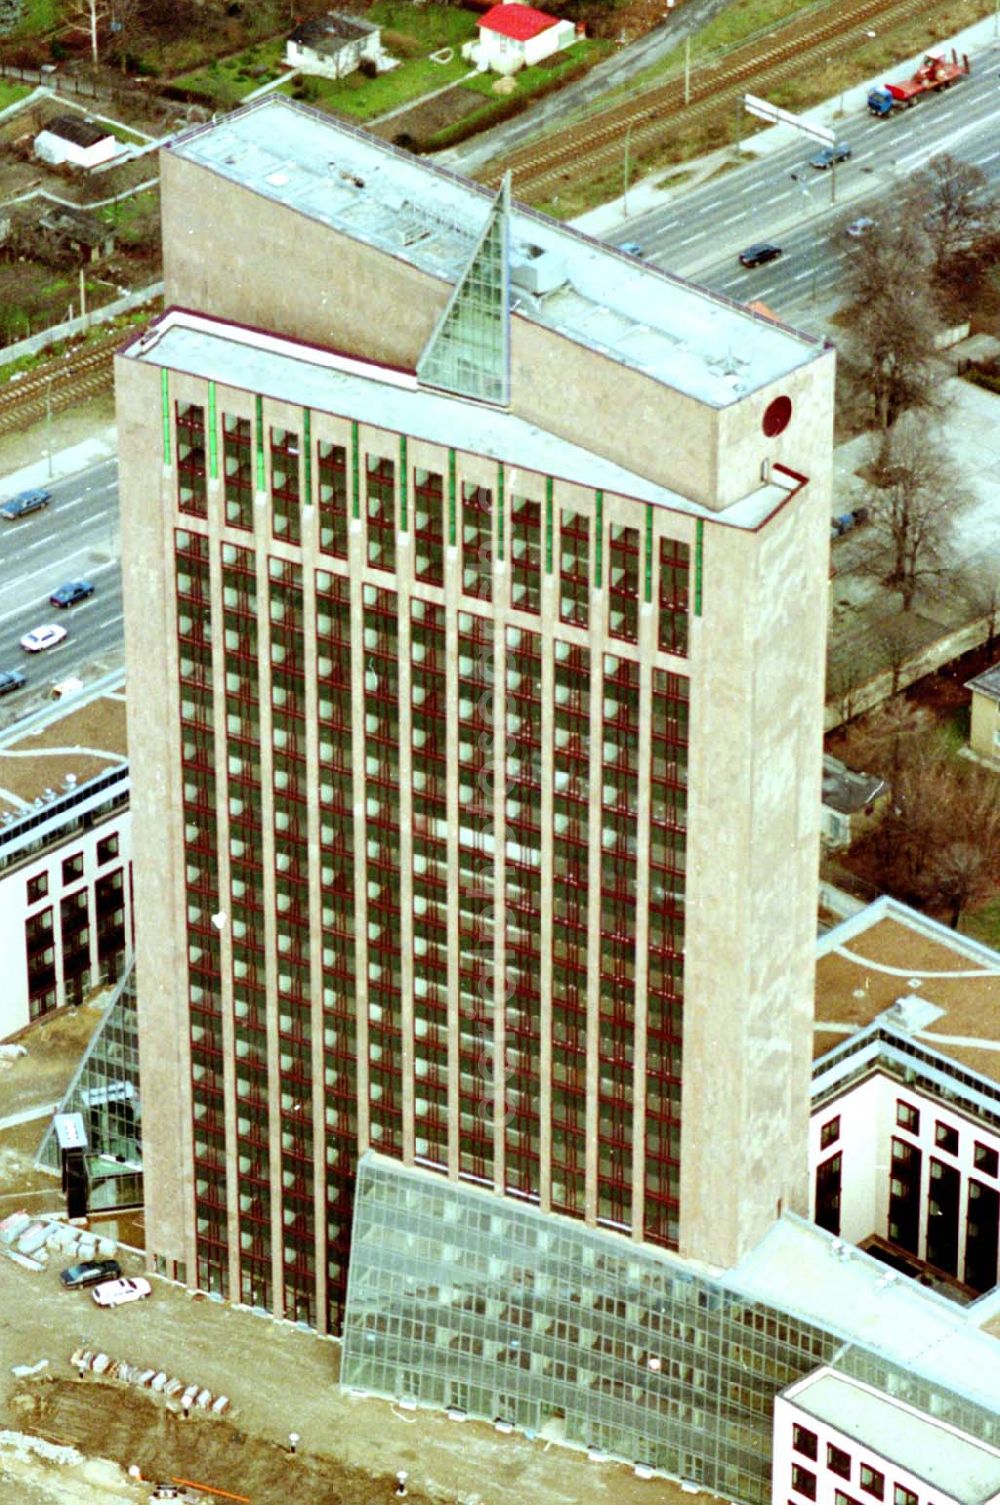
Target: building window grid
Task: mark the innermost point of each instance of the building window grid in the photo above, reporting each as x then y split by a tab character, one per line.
570	856
381	701
619	813
523	900
574	567
674	602
336	796
331	470
478	1071
525	554
286	514
189	431
192	582
623	582
477	541
428	679
428	527
670	706
380	484
237	471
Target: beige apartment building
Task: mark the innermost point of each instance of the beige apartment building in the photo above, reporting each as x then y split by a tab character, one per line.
475	602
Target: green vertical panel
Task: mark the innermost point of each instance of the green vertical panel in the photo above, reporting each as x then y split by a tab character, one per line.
599	539
355	471
548	525
452	526
165	398
501	509
649	551
403	483
307	457
213	441
259	425
699	539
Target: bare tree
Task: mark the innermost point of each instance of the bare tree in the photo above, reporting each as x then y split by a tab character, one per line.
90	14
891	322
961	219
913	503
938	845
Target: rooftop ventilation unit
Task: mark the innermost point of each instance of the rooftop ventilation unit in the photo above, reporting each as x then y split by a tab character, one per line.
537	270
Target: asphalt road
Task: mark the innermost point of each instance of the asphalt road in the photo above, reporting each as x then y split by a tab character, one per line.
75	537
699	235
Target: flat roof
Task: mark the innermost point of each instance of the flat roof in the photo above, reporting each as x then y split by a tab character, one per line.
291	372
889	952
947	1460
692	340
81	738
805	1271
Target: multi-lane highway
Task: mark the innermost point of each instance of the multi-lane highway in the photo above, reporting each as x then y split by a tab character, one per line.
75	537
700	234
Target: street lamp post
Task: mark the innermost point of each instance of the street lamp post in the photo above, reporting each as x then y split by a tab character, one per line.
628	138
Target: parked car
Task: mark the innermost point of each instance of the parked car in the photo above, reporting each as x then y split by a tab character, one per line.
859	227
839	152
630	247
11	680
90	1272
118	1292
25	502
40	638
756	256
72	592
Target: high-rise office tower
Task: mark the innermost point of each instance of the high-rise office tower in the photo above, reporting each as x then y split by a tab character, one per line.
475	602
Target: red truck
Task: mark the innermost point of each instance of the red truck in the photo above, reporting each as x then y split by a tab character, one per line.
935	73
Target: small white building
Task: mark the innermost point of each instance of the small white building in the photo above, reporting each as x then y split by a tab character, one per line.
512	37
333	45
81	143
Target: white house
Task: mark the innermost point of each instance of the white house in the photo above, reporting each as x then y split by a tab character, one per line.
333	45
514	36
81	143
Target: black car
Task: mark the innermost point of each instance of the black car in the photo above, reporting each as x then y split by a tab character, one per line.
756	256
25	502
71	593
89	1273
831	154
10	680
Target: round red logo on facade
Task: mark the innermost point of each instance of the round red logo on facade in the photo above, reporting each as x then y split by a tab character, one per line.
777	416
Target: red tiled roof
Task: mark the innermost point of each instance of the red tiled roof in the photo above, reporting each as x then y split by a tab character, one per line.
522	22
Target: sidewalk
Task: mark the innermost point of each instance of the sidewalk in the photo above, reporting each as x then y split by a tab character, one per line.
82	436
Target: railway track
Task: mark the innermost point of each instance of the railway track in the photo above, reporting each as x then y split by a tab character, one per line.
654	115
59	383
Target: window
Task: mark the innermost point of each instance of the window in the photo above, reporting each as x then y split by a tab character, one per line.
477	541
840	1498
903	1496
237	484
872	1482
828	1178
526	554
72	868
574	565
837	1461
38	887
986	1160
189	436
946	1138
428	526
623	583
907	1117
805	1442
829	1133
107	849
380	476
804	1481
675	561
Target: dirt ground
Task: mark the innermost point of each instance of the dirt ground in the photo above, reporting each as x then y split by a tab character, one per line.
279	1380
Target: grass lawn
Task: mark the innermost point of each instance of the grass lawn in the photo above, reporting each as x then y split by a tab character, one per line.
39	16
983	924
366	98
11	93
542	76
231	79
429	27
